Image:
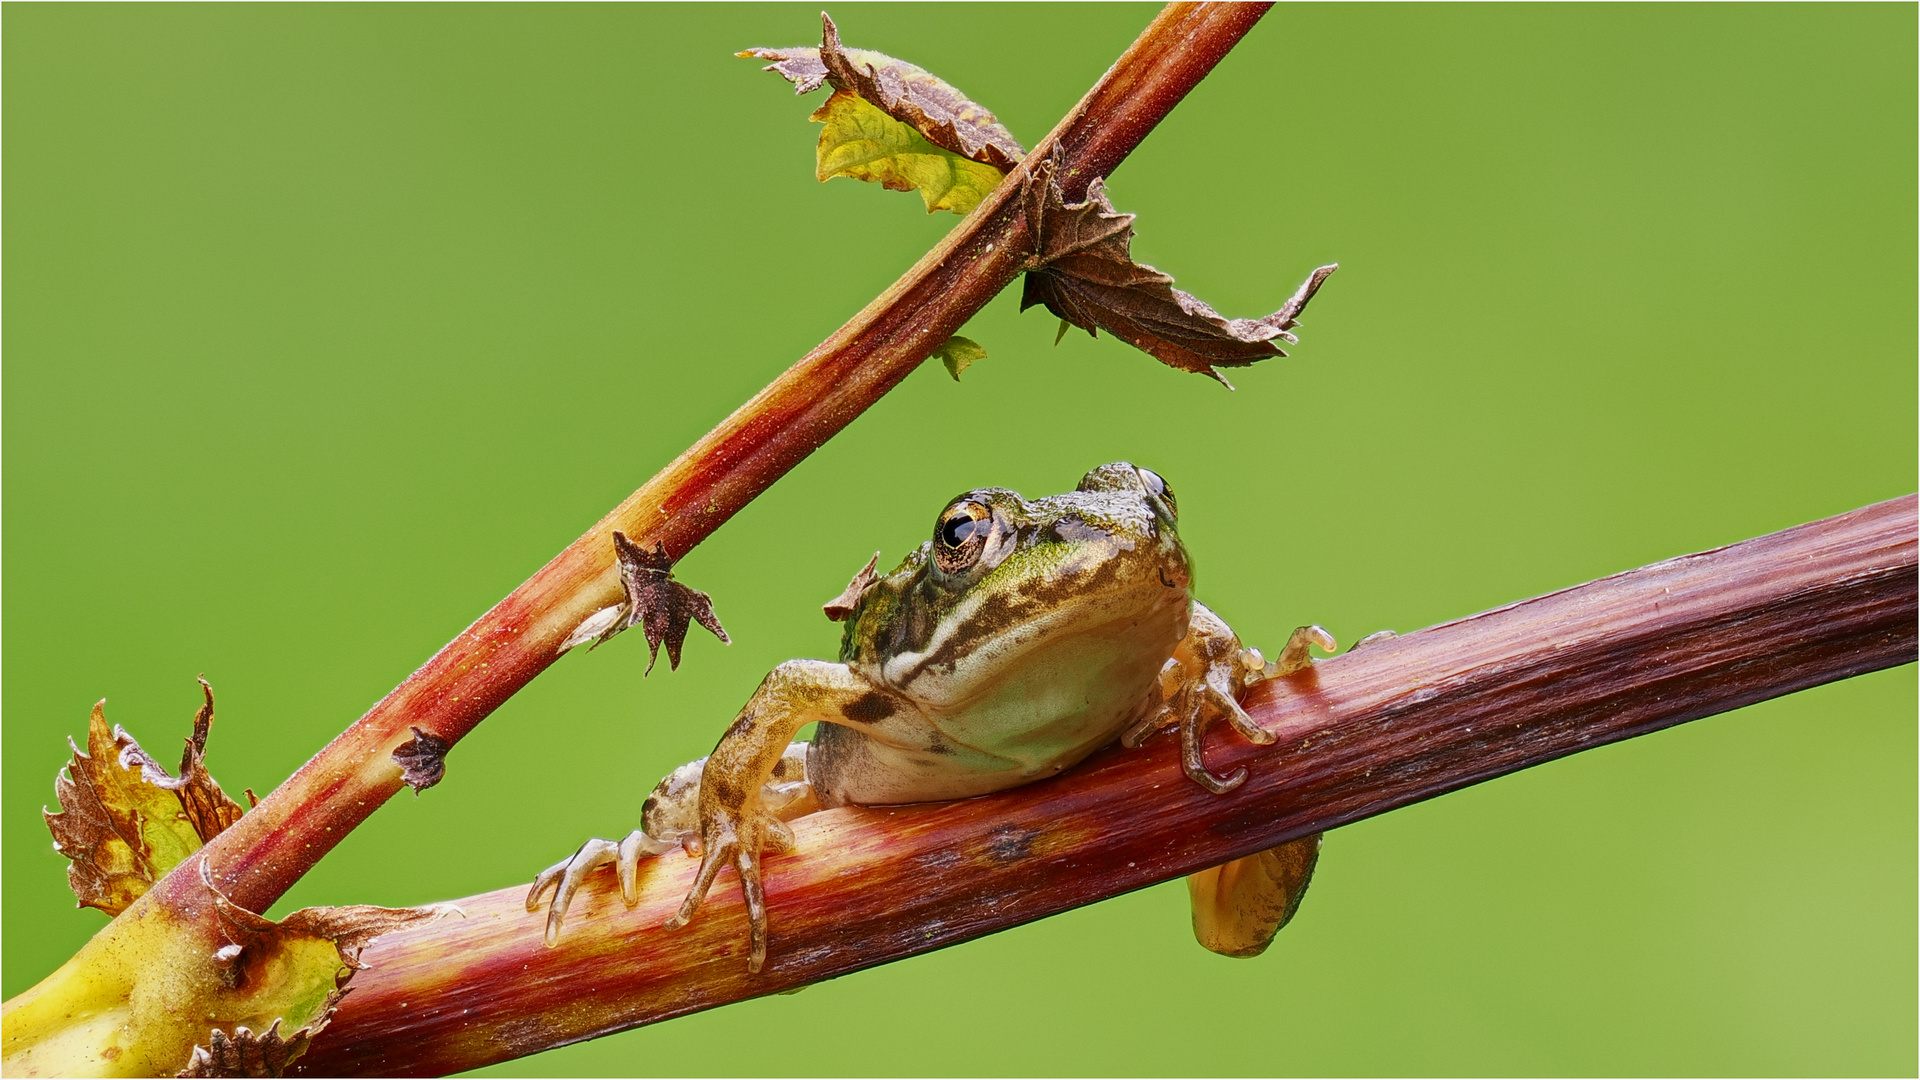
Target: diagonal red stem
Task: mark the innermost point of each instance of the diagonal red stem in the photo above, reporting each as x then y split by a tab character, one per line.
269	849
1361	734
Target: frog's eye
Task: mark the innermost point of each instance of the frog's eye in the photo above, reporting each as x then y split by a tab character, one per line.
1158	487
960	535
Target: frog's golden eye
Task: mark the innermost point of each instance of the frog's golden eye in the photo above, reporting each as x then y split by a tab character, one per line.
960	535
1158	487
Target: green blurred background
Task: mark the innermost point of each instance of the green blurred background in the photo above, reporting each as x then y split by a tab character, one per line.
327	325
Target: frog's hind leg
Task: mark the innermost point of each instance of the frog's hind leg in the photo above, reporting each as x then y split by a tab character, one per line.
670	819
1239	906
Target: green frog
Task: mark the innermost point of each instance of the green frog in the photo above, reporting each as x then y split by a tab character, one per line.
1022	637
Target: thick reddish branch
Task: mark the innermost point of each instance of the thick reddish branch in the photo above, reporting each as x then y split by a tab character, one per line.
1361	734
271	847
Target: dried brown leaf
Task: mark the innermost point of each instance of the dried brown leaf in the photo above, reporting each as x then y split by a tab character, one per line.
207	807
661	606
422	760
1083	271
352	926
124	821
931	106
842	606
245	1054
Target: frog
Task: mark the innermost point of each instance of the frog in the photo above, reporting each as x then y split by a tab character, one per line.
1020	638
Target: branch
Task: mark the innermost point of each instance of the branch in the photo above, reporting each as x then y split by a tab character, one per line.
1360	734
270	848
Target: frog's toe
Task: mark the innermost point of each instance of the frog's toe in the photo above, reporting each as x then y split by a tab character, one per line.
1296	656
1196	767
1374	638
1223	704
565	877
748	864
738	843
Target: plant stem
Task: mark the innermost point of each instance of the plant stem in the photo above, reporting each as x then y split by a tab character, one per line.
1359	735
261	856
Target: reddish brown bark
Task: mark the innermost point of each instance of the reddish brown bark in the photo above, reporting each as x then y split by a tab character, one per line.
269	849
1361	734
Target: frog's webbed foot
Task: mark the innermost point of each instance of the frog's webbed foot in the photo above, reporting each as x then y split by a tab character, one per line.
1240	905
565	876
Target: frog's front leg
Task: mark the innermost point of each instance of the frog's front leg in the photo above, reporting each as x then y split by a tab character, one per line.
1203	683
735	823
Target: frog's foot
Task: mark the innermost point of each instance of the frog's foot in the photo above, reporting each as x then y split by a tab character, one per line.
565	877
736	837
1295	655
1203	683
1239	906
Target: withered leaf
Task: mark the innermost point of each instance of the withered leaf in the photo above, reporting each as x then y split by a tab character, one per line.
661	606
958	354
352	927
245	1054
1082	271
422	760
940	113
125	822
208	808
862	142
285	975
842	606
346	929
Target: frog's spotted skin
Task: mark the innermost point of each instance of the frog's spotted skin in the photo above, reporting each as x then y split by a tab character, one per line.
1019	639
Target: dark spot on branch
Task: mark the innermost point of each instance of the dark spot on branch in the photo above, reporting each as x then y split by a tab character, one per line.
1010	843
422	761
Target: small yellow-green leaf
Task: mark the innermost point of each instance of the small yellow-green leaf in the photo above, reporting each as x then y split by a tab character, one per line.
863	142
958	354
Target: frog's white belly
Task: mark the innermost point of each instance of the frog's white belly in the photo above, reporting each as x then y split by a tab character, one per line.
1065	699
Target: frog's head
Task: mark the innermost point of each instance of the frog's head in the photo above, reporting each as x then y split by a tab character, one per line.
1007	583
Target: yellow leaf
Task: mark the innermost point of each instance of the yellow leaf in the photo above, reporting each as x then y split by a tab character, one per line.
124	822
863	142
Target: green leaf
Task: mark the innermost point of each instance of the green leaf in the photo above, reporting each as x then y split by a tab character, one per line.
958	354
865	143
896	124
